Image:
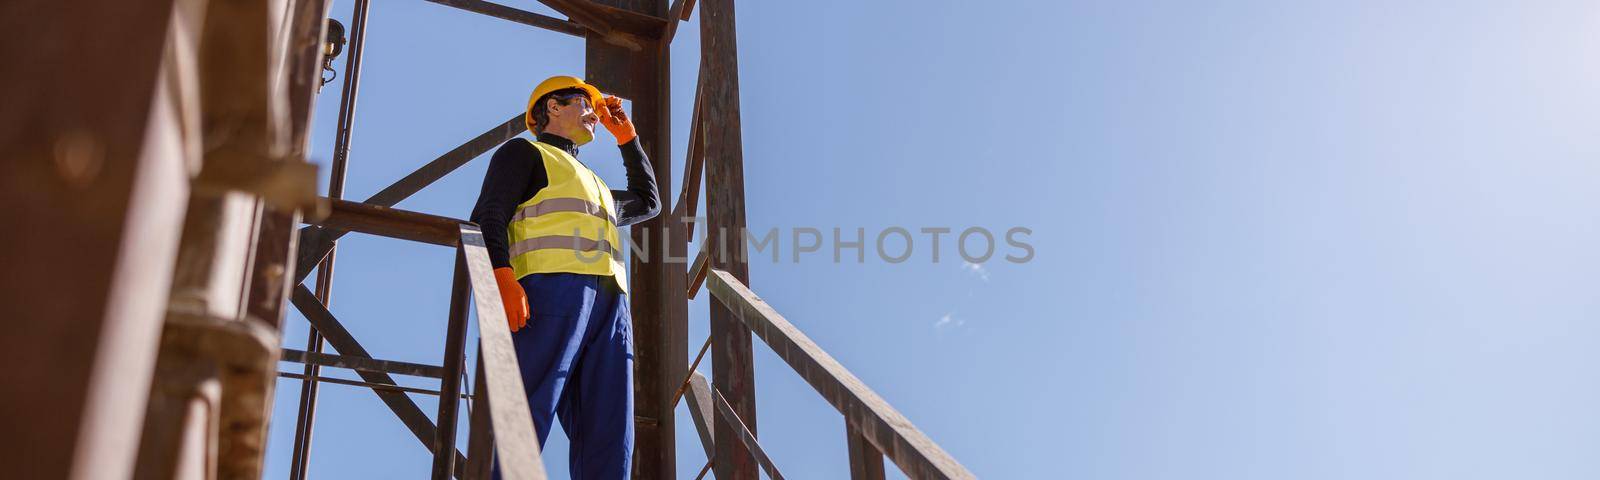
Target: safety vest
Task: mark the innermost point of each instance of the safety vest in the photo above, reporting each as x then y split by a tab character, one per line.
569	226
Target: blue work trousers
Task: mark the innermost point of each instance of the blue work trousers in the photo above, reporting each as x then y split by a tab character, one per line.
576	356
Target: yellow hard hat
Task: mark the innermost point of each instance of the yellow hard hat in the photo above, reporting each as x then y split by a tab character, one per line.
552	84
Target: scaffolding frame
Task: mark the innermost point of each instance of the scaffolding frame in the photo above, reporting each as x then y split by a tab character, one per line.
212	371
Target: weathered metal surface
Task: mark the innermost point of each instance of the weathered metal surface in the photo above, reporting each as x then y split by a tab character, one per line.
347	216
276	240
363	364
516	15
726	414
289	185
455	345
213	256
655	296
275	245
680	10
480	432
337	336
732	364
690	377
240	357
882	426
866	462
582	12
616	25
182	417
516	444
242	117
242	113
698	269
104	165
700	412
694	160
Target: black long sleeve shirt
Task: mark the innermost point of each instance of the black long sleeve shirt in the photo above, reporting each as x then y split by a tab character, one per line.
516	173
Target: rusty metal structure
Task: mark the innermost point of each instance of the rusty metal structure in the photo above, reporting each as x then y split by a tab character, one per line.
164	216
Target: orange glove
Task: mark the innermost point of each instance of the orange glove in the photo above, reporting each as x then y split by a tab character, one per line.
511	294
616	119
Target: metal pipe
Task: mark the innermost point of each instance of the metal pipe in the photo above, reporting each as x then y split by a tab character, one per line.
362	364
387	387
341	154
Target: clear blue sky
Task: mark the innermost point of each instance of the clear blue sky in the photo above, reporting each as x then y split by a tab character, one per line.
1274	240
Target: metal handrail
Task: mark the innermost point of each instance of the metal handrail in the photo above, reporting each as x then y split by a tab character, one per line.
501	407
516	443
880	424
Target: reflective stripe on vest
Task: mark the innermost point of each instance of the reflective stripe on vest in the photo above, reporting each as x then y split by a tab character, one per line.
567	242
553	205
569	225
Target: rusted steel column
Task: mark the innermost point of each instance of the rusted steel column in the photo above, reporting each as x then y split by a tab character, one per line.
184	410
733	370
306	418
866	462
102	164
276	239
656	294
242	117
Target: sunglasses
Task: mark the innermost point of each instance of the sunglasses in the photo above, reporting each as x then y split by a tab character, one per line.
566	99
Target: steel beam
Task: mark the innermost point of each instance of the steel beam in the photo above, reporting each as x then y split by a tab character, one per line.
699	398
362	364
698	269
102	163
659	309
866	462
516	15
693	161
732	363
583	12
679	11
276	240
347	216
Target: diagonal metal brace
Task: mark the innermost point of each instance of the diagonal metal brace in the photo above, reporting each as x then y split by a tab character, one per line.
340	338
315	242
726	414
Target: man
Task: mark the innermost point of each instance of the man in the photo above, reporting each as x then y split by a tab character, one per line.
550	225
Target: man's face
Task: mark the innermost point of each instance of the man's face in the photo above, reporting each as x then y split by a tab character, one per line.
575	121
